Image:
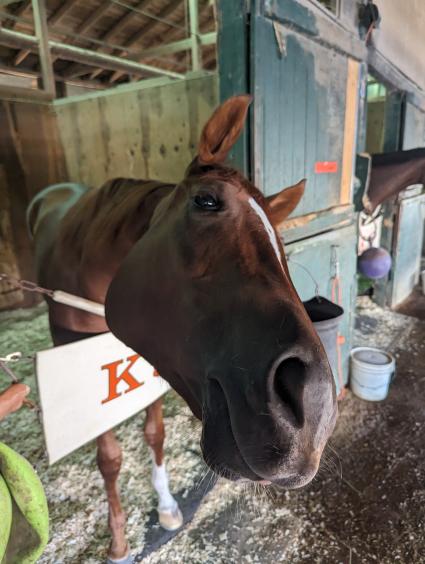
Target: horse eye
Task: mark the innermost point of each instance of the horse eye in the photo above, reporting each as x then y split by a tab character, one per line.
207	202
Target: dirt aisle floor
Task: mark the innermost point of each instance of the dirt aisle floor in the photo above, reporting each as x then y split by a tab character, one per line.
366	505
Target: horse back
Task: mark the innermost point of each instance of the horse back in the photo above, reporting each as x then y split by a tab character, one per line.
81	237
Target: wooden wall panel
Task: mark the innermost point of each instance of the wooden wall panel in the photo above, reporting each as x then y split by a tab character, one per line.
31	158
141	133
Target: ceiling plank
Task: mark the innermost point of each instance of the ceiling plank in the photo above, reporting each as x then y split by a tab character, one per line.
86	24
52	20
114	30
140	34
17	12
85	56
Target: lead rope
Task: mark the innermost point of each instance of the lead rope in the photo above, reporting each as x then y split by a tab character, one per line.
57	296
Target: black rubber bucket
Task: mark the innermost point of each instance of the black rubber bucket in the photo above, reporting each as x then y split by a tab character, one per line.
326	317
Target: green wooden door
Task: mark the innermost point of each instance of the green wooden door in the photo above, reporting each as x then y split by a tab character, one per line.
299	89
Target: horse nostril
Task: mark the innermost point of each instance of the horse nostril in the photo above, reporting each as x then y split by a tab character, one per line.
289	381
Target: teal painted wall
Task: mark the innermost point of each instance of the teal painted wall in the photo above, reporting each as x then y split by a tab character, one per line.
299	105
315	254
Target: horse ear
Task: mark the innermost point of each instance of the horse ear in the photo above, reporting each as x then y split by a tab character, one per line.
222	129
283	203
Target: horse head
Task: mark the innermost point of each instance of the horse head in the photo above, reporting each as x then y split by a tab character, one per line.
206	297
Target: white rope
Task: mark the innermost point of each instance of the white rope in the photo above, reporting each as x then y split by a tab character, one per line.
57	296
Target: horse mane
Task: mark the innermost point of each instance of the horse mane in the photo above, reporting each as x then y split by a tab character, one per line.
102	214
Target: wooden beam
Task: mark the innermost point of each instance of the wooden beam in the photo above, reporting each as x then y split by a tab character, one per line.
178	46
209	38
27	73
194	32
84	56
52	20
42	35
16	93
350	131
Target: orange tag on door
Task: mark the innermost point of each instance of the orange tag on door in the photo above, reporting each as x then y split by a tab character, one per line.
322	167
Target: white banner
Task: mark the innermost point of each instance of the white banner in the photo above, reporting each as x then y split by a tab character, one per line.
89	387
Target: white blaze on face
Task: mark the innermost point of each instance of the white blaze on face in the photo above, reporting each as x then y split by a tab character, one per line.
268	227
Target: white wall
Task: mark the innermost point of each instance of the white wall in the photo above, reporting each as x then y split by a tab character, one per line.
401	37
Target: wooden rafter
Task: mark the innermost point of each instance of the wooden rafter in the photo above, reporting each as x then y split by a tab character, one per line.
90	21
18	12
84	56
25	73
76	70
53	19
136	37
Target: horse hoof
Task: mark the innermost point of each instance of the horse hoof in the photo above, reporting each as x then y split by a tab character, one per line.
127	559
171	520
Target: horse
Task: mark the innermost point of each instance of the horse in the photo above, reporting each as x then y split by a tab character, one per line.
194	278
391	173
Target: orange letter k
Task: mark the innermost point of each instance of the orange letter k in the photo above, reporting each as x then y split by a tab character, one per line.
115	378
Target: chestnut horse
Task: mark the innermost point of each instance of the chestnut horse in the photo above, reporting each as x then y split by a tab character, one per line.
391	173
194	278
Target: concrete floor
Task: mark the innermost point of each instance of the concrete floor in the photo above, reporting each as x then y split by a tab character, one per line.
414	305
366	505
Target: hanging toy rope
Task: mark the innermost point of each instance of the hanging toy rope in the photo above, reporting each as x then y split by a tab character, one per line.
336	297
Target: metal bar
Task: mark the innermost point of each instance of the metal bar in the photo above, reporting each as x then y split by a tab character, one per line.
42	35
177	46
194	30
83	56
52	20
209	38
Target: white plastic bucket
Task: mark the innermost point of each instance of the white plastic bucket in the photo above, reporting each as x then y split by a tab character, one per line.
371	373
423	281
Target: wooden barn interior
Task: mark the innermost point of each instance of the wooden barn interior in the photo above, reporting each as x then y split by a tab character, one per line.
92	90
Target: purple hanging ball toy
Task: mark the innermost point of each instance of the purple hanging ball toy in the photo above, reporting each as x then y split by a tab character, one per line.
375	262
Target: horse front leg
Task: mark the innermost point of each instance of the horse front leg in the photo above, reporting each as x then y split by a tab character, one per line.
109	459
170	516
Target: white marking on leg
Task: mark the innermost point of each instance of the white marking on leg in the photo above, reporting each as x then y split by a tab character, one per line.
166	501
268	227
